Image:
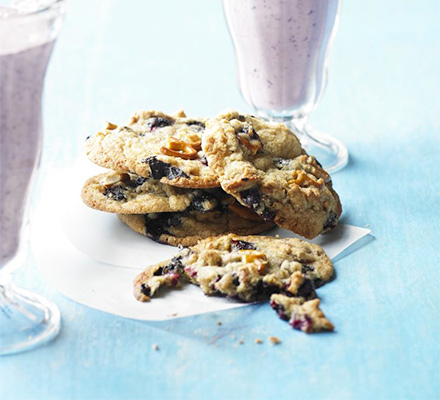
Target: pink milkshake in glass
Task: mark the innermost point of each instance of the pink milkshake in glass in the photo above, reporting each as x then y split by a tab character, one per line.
282	50
28	29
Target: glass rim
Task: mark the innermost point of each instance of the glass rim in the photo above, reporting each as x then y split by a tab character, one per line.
51	6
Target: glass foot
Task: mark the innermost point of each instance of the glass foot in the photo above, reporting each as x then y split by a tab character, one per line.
27	320
330	152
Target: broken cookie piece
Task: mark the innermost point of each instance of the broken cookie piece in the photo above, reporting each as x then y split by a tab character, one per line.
302	315
251	268
166	273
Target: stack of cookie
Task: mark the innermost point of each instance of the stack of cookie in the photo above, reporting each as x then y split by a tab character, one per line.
160	184
178	179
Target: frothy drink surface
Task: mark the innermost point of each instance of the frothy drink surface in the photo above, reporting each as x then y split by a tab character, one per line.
280	47
21	84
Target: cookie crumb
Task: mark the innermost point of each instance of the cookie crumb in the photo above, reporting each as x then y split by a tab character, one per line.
174	314
274	340
219	322
240	341
258	340
110	126
155	347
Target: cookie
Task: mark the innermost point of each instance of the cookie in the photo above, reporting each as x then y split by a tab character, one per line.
247	268
186	229
303	315
164	274
126	193
155	145
263	165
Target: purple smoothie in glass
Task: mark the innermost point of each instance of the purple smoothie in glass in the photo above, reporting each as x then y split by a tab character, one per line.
28	29
21	84
281	51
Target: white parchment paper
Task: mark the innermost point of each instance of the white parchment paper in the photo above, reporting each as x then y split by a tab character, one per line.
92	257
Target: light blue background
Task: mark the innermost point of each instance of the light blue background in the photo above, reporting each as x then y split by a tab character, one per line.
114	57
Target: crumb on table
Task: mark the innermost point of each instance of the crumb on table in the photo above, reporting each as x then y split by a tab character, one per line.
274	340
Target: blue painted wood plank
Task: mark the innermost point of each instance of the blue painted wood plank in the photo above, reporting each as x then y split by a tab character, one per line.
382	101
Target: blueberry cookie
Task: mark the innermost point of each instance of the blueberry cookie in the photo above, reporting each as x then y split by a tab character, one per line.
125	193
187	228
303	315
164	274
155	145
264	167
247	268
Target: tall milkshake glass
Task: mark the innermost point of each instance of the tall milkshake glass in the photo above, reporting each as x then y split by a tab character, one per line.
282	51
28	30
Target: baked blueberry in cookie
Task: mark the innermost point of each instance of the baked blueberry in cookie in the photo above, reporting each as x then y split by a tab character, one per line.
159	122
115	193
160	169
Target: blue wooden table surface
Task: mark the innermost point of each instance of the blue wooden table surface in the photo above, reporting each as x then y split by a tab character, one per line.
114	57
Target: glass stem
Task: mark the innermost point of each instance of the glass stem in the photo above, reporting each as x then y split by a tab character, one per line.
330	152
298	126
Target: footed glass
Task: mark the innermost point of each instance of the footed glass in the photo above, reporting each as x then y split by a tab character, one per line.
28	30
282	49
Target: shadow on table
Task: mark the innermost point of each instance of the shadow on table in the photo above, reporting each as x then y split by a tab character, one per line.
237	324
